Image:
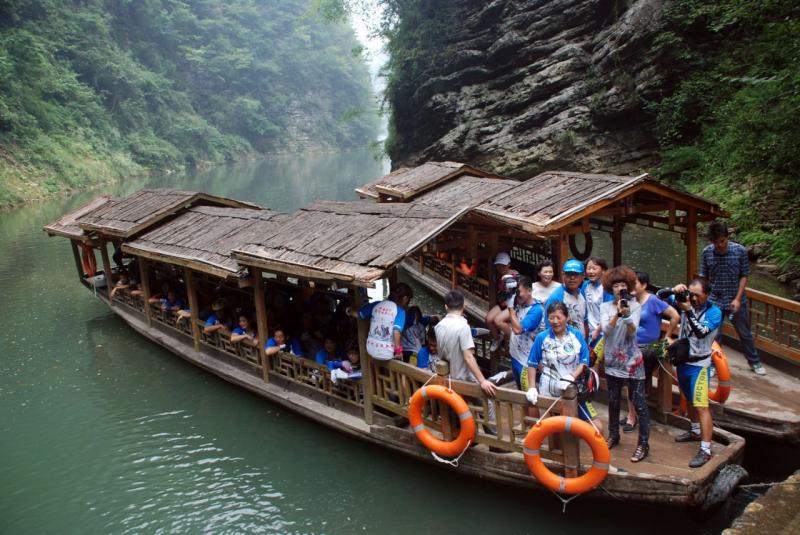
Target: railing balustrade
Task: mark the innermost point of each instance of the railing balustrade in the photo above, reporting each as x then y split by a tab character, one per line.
301	370
775	323
244	350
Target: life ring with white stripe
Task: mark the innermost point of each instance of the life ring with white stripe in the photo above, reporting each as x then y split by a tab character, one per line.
470	270
88	260
720	395
444	448
566	424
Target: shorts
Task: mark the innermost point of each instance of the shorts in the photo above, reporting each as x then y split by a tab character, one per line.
520	375
693	382
586	411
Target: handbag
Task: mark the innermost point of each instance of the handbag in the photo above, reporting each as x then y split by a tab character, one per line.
678	351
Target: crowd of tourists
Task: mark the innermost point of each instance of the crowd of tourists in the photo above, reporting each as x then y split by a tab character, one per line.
554	329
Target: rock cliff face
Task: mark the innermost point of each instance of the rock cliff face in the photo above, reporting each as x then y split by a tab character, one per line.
518	87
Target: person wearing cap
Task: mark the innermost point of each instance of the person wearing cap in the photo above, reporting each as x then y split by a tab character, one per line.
495	316
218	320
571	294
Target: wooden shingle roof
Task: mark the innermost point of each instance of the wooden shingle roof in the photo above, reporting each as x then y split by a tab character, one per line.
406	183
467	190
122	218
203	237
67	225
354	242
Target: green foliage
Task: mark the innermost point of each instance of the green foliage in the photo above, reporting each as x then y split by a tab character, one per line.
98	89
729	119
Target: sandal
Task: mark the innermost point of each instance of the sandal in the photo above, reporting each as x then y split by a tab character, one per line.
612	441
641	452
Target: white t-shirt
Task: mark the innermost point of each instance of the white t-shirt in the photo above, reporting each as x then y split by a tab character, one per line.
519	345
594	298
542	293
453	336
383	321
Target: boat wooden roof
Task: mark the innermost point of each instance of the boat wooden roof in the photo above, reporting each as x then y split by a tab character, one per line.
203	237
540	205
67	225
406	183
352	242
122	218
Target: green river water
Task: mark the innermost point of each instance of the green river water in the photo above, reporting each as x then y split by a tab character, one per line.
105	432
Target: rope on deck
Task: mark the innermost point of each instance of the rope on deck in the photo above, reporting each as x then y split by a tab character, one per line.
769	484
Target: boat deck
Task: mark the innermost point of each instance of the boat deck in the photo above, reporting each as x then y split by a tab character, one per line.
767	406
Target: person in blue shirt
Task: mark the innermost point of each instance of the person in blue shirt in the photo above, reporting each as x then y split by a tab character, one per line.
218	320
387	320
331	356
700	322
428	355
172	303
572	275
280	341
244	331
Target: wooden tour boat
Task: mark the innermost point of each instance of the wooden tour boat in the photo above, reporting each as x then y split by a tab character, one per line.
211	244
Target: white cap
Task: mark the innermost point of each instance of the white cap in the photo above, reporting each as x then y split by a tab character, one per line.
502	258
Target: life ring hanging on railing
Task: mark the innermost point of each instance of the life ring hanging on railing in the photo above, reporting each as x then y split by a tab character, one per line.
465	436
470	270
601	456
720	395
88	260
587	250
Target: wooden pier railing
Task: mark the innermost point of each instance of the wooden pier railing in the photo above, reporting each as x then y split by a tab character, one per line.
775	322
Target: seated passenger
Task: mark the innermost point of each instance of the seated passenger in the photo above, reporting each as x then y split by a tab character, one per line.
506	279
245	331
354	357
156	297
428	354
331	356
280	341
311	338
218	320
125	282
172	302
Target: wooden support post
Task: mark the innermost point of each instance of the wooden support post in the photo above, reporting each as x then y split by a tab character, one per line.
691	244
191	294
421	262
571	444
664	391
261	320
616	240
366	360
144	273
448	427
492	275
77	256
563	251
453	273
107	268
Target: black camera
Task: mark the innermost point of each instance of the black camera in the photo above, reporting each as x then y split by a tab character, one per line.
625	299
682	297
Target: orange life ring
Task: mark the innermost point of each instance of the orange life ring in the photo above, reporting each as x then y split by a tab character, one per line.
566	485
467	434
88	260
720	395
469	270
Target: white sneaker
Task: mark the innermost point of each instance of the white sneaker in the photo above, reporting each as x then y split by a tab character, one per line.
496	343
758	369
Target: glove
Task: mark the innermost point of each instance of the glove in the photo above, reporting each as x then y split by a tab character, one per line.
496	378
282	347
532	395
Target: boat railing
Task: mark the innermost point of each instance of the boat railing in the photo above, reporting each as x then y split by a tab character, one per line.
501	422
775	323
123	296
244	350
304	371
449	270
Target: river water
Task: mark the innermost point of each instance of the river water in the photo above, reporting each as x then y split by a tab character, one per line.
105	432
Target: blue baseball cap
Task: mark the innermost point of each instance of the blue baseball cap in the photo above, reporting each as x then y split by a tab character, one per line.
573	266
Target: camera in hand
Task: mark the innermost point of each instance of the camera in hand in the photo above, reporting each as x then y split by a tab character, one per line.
511	291
625	299
682	297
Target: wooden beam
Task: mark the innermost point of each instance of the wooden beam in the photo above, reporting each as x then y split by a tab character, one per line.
77	257
261	320
691	244
571	443
107	268
191	294
664	391
563	251
366	360
616	241
492	276
144	274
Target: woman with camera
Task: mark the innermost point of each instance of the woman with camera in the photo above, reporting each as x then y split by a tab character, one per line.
619	321
691	353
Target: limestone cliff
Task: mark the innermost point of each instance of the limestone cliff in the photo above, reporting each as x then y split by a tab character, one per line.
520	86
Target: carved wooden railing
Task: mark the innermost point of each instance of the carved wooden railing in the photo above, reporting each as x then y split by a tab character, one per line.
394	382
449	271
775	322
244	350
135	302
306	372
